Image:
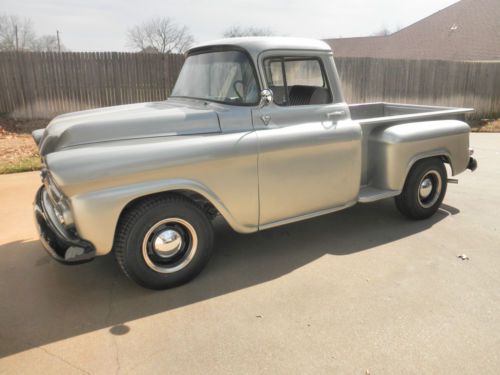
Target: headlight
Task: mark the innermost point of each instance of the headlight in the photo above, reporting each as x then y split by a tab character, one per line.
58	200
54	194
64	214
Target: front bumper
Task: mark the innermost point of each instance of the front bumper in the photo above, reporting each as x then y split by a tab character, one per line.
63	246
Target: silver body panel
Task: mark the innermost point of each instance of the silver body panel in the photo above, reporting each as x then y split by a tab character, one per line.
259	166
129	121
421	123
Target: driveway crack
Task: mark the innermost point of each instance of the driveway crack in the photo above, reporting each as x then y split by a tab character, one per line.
48	352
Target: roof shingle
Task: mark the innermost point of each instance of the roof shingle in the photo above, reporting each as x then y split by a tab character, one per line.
466	30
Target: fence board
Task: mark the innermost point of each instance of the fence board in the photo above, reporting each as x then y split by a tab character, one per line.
433	82
44	84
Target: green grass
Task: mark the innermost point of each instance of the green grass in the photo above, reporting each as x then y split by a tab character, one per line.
31	163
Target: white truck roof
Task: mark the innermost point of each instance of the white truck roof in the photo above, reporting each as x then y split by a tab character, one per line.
256	44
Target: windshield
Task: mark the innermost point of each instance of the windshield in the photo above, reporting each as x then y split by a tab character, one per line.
225	76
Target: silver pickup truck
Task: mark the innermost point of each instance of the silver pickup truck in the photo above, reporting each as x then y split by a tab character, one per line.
257	131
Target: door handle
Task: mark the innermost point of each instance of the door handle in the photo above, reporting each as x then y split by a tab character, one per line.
335	114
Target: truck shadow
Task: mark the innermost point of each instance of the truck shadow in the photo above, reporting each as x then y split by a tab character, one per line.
44	302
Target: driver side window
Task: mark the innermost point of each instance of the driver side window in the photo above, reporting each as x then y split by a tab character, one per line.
297	81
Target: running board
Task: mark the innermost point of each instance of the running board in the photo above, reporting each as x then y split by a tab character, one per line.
369	194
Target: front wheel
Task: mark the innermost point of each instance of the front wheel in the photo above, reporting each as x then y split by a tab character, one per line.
424	189
163	241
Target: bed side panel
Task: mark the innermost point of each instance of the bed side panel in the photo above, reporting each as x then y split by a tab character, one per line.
393	150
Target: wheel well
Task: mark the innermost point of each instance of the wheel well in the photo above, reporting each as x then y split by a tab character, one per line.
200	200
444	158
195	197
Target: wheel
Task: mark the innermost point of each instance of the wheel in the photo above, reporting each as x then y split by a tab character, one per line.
163	241
424	189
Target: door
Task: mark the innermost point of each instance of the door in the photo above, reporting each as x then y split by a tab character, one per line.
309	155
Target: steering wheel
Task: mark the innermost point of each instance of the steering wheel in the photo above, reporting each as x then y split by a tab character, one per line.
236	90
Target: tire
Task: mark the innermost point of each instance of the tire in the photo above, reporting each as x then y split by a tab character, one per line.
163	241
424	189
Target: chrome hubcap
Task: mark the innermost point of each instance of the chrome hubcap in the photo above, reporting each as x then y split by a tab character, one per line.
169	245
429	189
425	188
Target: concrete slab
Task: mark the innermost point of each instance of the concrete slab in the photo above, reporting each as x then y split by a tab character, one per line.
363	289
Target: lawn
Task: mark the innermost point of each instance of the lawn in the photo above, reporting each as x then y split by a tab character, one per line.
31	163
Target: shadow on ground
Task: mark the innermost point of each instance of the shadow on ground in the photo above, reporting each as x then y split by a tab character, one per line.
43	301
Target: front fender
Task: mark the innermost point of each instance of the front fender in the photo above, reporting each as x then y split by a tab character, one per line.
101	179
97	213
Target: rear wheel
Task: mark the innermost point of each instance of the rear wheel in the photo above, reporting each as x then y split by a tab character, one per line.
424	189
163	241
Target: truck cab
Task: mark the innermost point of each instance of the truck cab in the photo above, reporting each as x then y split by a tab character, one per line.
257	131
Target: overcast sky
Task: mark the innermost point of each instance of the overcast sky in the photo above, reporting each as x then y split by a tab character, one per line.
101	25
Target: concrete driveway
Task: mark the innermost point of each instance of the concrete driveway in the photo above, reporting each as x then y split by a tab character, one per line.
362	290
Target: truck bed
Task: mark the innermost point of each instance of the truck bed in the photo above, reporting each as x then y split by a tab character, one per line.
379	113
382	116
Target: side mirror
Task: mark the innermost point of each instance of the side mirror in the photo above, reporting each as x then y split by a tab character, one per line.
266	97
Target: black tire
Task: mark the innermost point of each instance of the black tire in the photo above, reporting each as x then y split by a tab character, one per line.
411	202
139	257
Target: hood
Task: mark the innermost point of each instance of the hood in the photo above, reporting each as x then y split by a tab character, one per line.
144	120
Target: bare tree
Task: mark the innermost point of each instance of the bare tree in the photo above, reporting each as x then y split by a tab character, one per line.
15	33
47	43
384	31
396	29
237	31
161	35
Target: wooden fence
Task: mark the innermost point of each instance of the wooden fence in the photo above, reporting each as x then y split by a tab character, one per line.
434	82
42	85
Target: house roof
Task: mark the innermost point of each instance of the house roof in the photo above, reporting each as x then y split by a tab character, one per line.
466	30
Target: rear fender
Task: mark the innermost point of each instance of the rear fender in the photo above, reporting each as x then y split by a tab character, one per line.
395	149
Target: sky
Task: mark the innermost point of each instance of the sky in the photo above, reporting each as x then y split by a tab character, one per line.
101	25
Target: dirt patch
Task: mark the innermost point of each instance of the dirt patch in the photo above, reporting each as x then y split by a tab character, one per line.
16	146
21	126
486	126
18	152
